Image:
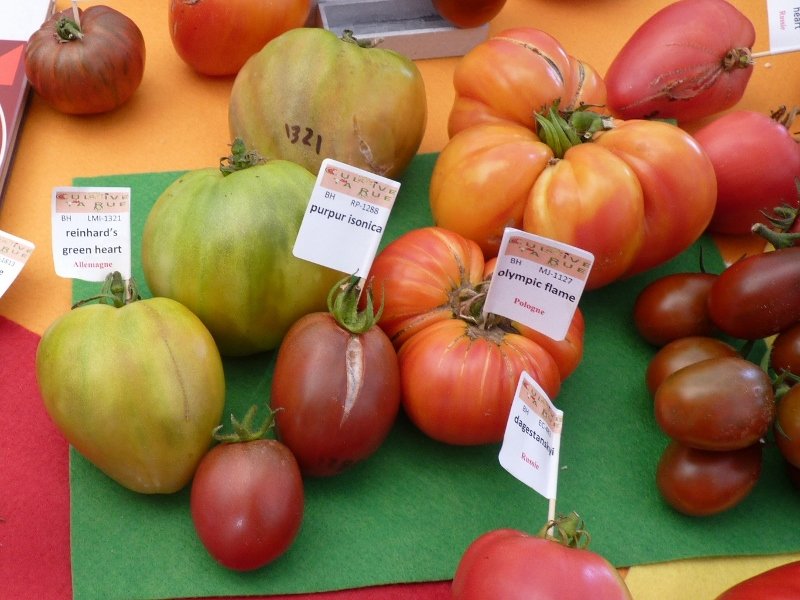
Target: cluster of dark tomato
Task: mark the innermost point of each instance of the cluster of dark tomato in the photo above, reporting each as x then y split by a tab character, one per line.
720	406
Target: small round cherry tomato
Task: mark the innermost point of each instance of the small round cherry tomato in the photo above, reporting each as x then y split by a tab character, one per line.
673	307
785	351
722	403
703	482
468	13
682	353
787	426
247	498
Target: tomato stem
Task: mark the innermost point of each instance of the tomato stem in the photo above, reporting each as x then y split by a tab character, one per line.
563	130
240	158
244	430
347	36
343	301
567	530
115	291
68	30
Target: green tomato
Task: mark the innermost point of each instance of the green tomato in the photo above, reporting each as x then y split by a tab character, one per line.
222	246
136	388
309	95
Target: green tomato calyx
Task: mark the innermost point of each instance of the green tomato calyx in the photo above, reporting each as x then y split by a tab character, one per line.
561	130
567	530
240	158
343	302
68	30
347	36
245	430
115	291
782	220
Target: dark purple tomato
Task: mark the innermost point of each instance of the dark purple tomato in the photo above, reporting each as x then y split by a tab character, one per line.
682	353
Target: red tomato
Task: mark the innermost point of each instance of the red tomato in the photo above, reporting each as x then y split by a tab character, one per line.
469	13
785	351
334	421
514	565
247	501
756	161
757	296
778	583
682	353
458	368
704	482
673	307
513	74
723	403
669	70
86	69
634	195
787	426
216	37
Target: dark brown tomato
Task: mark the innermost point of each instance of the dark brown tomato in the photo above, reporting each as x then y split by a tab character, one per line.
787	426
723	403
785	351
703	482
337	393
674	306
682	353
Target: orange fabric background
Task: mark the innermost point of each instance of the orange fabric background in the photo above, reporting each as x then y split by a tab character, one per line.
178	120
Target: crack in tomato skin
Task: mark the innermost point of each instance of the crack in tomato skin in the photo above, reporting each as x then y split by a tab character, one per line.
354	371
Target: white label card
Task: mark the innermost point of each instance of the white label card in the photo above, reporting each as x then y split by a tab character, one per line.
532	441
783	18
14	253
345	218
91	232
538	282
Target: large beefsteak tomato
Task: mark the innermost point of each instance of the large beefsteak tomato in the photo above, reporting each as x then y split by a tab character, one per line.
509	564
310	95
691	59
136	386
459	368
514	74
221	243
633	193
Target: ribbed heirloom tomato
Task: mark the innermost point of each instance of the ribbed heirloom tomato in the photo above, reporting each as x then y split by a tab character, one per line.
458	367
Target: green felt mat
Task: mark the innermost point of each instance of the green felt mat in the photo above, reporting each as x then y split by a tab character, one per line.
409	512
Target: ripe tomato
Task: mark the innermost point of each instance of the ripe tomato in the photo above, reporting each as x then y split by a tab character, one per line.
86	69
785	351
756	161
514	565
787	426
516	72
778	583
723	403
705	482
757	296
332	422
634	194
216	37
469	13
458	368
310	95
222	245
673	307
667	70
136	386
683	352
247	498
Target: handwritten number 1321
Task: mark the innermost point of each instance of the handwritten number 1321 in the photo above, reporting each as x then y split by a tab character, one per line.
303	135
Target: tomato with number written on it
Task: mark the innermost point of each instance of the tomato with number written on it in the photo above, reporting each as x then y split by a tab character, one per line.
87	68
333	422
722	403
633	193
310	95
459	367
515	565
135	385
706	482
216	37
247	498
667	70
469	13
513	74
